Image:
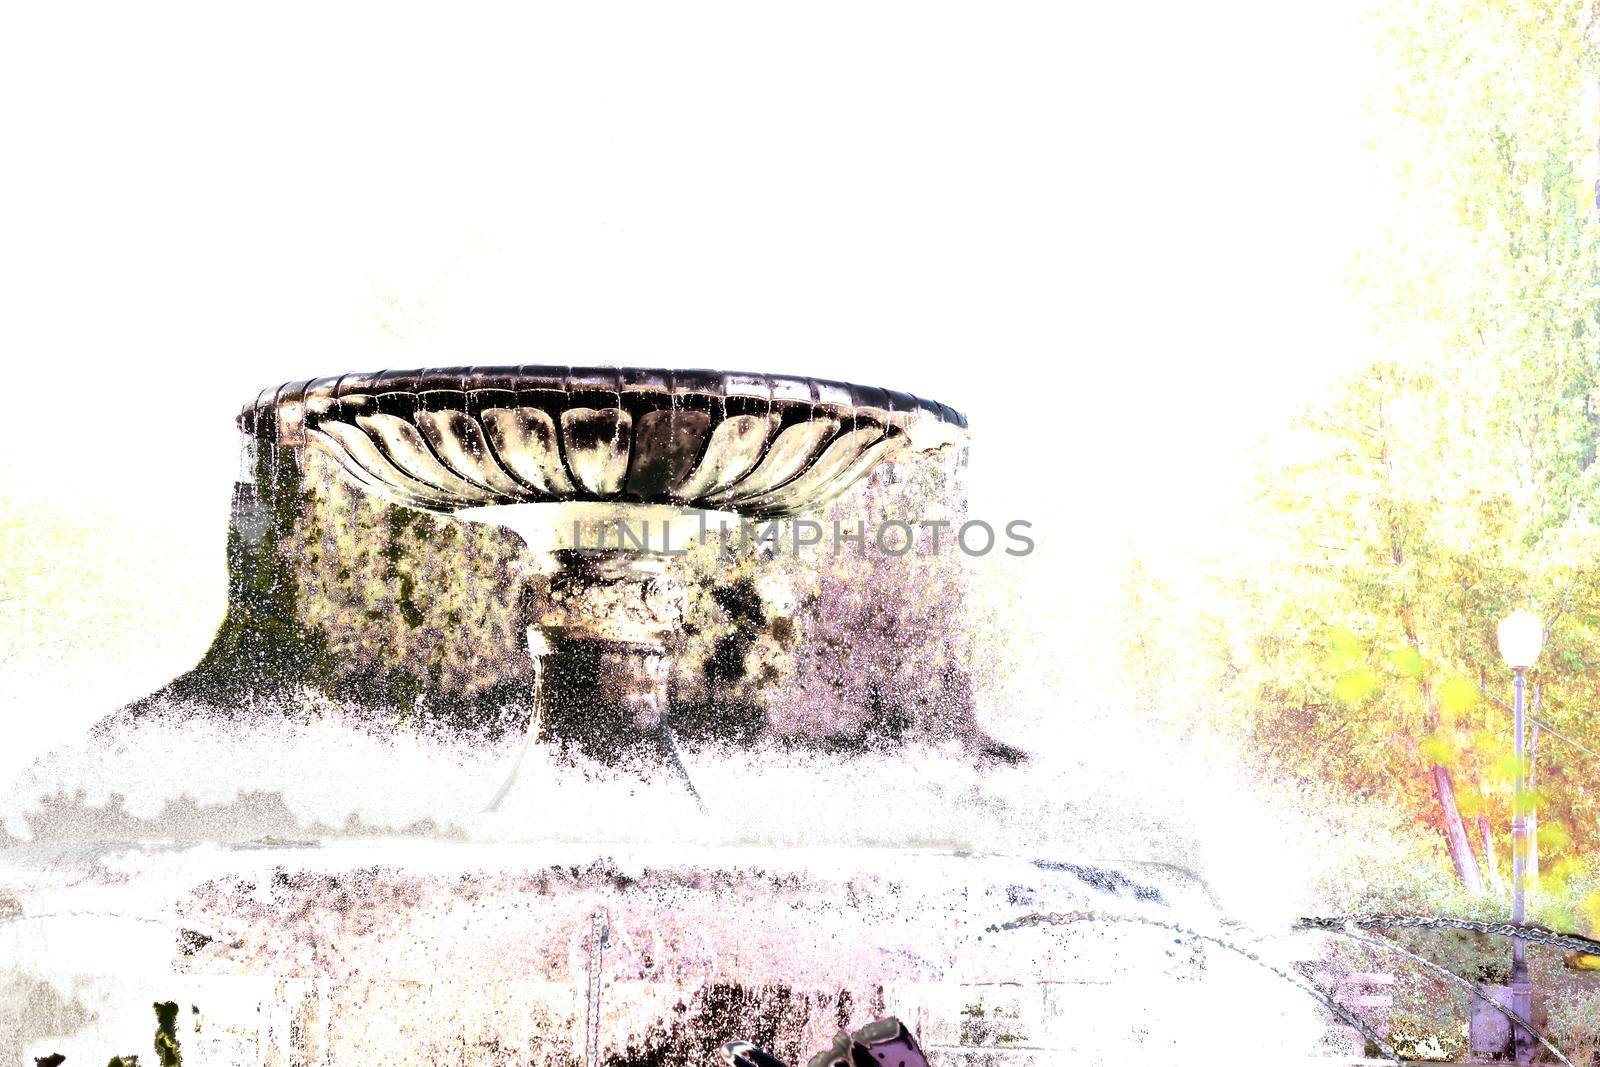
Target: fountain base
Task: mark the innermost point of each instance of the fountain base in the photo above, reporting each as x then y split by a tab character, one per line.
424	952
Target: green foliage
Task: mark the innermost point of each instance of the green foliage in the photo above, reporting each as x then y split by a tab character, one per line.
1453	476
1356	686
1407	662
1457	696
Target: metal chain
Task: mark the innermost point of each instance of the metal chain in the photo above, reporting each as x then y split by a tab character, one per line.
1472	988
1048	919
1540	935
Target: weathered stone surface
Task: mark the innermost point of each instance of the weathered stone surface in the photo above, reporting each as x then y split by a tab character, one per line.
462	437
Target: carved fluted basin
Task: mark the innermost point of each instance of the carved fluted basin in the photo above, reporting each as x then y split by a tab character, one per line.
755	444
517	446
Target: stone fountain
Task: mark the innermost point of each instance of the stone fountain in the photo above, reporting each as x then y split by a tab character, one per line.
820	893
604	473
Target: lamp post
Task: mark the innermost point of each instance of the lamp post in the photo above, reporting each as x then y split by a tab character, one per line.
1521	635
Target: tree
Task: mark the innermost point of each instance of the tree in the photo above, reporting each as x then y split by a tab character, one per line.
1453	476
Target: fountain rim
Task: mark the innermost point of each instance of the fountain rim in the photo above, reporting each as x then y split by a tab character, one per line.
587	384
441	439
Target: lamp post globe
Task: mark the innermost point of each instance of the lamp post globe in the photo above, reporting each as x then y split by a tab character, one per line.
1521	637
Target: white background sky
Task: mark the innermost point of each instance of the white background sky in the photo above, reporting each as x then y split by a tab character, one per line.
1113	235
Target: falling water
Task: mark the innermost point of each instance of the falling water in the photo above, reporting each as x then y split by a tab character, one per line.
535	734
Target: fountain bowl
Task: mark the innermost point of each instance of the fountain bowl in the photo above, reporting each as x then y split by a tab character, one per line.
455	438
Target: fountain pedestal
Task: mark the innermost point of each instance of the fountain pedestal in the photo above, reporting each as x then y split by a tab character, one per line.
604	632
601	636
